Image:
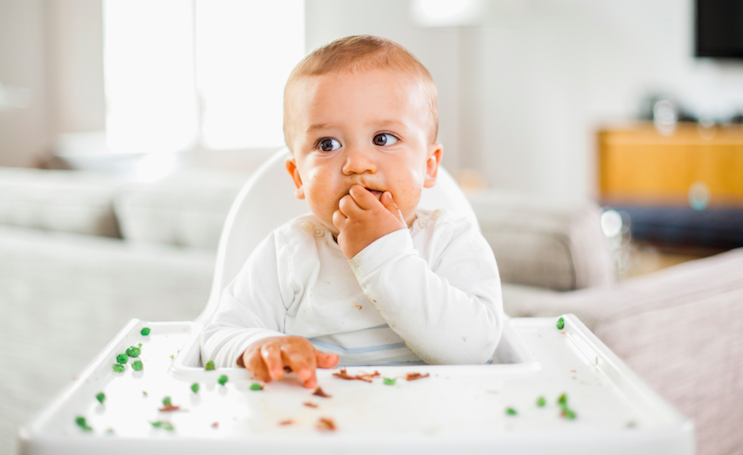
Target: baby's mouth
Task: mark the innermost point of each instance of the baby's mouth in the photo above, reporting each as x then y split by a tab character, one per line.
375	193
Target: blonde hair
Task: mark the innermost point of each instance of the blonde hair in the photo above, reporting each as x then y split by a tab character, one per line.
362	53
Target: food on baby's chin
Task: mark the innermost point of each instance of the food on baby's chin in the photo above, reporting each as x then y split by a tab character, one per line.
319	392
137	365
118	368
101	397
209	366
145	331
326	424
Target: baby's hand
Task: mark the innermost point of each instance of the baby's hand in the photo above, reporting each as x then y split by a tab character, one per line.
362	219
268	357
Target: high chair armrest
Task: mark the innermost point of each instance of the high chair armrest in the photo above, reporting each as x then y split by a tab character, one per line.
544	243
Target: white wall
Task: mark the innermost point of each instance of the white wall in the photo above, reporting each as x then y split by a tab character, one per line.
23	132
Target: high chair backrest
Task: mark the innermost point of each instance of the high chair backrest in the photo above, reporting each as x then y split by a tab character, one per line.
267	201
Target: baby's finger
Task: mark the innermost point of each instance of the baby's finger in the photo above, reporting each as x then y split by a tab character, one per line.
348	206
298	362
271	355
339	219
389	203
258	367
325	360
363	198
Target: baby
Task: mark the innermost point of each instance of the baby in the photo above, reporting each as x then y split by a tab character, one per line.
367	277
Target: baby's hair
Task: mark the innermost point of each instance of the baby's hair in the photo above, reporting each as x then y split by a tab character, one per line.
363	53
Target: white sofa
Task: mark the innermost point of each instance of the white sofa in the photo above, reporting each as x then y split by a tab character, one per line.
81	254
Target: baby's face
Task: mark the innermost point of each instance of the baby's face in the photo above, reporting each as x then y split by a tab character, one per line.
370	128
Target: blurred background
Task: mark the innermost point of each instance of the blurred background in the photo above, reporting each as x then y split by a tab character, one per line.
139	120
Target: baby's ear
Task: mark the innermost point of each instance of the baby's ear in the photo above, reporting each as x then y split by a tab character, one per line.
432	164
291	167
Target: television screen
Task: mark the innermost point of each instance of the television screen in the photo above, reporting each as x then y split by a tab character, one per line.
719	28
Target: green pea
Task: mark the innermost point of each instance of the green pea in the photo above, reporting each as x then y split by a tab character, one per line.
122	358
100	397
541	402
118	368
511	411
569	414
145	331
133	351
139	344
195	387
562	400
222	380
164	425
137	365
560	323
166	401
389	381
209	365
256	386
80	421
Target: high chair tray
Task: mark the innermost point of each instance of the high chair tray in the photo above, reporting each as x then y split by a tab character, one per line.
461	409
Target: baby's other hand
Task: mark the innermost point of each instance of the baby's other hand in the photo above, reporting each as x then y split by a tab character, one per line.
268	357
362	219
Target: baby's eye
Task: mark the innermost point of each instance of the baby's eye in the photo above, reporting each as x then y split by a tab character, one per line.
328	144
384	139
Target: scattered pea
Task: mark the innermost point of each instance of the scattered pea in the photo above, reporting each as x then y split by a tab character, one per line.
511	411
389	381
133	351
145	331
164	425
118	368
209	365
541	402
222	380
122	358
560	323
256	386
140	345
144	393
166	401
569	414
101	397
562	400
137	365
195	387
80	421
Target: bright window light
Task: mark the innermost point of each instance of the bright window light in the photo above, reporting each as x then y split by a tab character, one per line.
198	74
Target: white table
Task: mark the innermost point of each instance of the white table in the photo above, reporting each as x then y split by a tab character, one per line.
456	409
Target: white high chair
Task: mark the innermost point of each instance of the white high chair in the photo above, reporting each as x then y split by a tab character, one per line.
457	408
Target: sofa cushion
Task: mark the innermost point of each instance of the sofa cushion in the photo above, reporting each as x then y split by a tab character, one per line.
58	200
186	209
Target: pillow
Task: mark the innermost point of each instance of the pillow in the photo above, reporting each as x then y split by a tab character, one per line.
187	208
58	200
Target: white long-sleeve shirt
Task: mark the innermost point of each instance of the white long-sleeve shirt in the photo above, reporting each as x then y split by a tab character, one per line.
429	294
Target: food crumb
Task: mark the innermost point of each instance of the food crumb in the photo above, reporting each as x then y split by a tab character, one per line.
309	404
286	422
215	425
82	423
195	387
256	386
118	368
414	376
137	365
133	351
209	366
366	377
164	424
145	331
389	381
122	358
326	424
101	397
144	393
560	323
541	402
222	380
511	411
319	392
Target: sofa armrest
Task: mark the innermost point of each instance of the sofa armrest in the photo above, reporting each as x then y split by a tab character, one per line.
680	329
544	243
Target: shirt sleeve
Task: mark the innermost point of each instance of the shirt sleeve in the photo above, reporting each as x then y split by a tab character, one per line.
250	308
447	312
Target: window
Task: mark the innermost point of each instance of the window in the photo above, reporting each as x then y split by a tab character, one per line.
199	74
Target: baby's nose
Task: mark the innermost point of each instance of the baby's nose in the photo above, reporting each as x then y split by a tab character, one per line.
358	162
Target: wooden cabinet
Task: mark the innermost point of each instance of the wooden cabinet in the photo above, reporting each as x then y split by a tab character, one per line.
638	165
